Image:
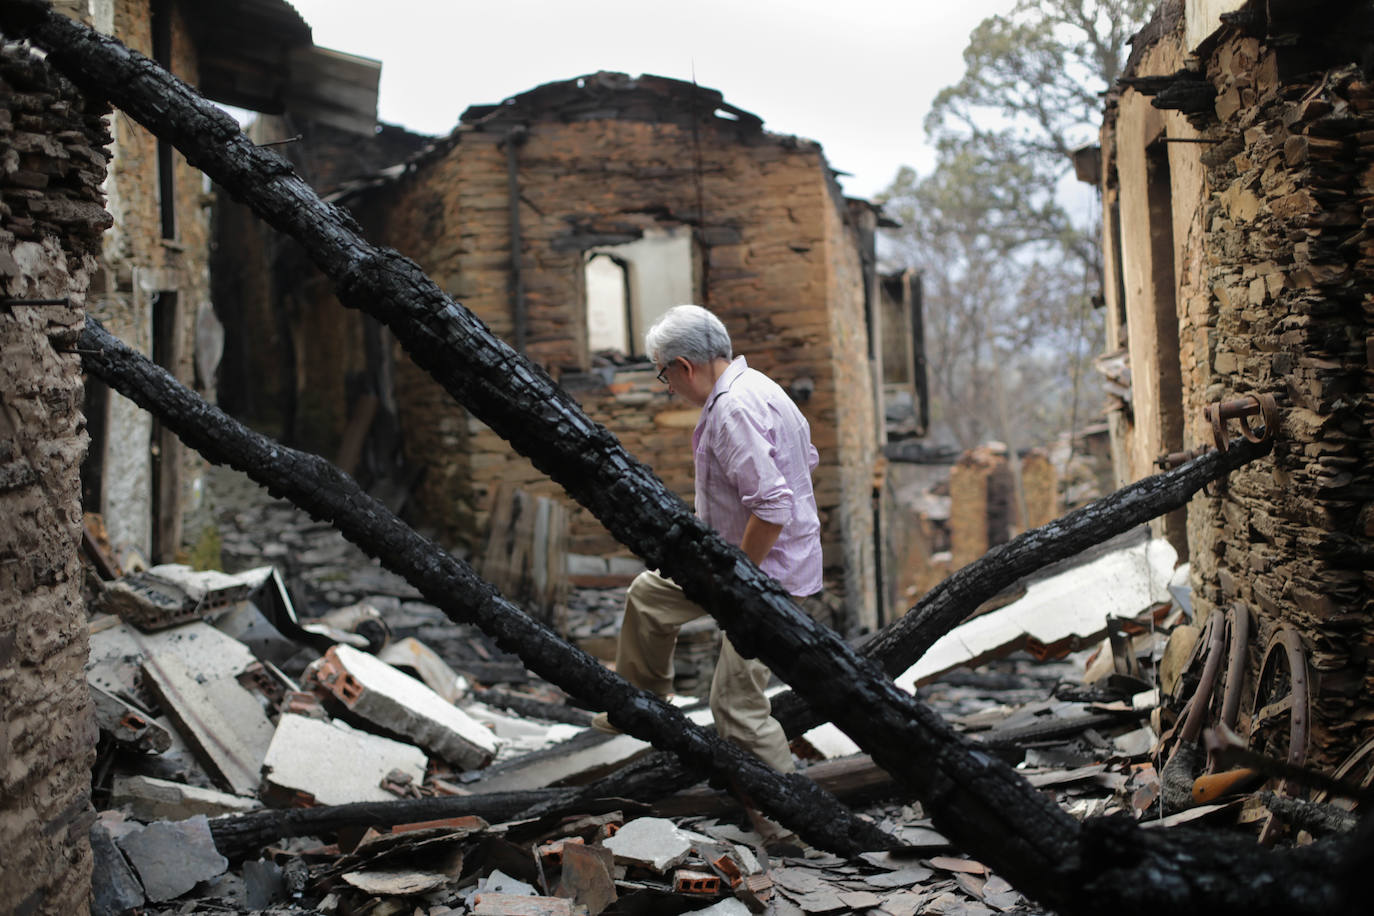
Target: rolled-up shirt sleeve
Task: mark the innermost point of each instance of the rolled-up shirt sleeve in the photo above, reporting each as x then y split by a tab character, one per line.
748	459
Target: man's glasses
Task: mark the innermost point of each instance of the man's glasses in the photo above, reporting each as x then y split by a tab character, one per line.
663	374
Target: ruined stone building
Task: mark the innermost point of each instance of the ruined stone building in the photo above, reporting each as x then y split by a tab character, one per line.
98	217
1238	189
620	197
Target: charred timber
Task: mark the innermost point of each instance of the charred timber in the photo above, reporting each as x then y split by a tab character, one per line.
243	835
979	803
327	493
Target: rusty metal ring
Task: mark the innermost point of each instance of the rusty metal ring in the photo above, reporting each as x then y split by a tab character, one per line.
1237	651
1268	411
1214	636
1213	414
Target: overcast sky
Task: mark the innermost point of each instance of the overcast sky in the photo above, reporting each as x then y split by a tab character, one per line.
856	75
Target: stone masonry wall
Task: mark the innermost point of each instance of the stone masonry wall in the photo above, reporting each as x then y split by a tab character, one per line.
776	267
52	163
137	265
1290	268
1273	216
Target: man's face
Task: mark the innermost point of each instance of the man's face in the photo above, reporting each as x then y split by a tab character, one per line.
685	380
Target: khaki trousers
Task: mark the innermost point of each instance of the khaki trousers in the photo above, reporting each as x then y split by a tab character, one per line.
655	608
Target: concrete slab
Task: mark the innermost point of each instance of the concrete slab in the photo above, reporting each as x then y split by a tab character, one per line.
728	907
428	667
402	705
171	593
173	857
130	728
163	800
654	843
335	764
246	623
579	765
1073	605
224	723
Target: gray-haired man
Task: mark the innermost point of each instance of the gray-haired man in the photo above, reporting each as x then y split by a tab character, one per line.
753	459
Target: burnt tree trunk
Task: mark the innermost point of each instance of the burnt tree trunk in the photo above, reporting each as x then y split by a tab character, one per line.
978	802
329	494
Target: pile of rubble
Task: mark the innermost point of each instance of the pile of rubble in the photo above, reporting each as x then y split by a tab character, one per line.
254	758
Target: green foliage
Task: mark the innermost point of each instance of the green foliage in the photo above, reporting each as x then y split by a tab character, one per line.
1008	270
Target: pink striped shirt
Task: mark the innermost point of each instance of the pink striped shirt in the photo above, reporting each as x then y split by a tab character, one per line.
754	456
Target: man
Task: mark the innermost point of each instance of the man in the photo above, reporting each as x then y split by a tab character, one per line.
753	459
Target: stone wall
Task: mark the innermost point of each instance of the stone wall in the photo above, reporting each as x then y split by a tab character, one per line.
1272	216
149	270
50	222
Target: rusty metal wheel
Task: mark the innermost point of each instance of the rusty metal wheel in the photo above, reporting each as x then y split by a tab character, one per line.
1280	722
1357	769
1206	659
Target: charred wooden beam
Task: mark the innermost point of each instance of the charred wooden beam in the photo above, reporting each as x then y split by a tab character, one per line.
243	835
976	801
327	493
901	643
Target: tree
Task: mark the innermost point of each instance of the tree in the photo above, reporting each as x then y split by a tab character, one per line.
1009	270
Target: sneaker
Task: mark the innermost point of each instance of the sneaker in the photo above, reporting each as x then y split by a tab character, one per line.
602	723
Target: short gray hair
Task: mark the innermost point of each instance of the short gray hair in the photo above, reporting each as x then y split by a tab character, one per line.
688	331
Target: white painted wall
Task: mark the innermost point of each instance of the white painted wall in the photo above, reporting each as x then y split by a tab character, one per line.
1203	17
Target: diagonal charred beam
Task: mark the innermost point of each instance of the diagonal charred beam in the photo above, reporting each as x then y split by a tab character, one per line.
975	800
901	643
329	494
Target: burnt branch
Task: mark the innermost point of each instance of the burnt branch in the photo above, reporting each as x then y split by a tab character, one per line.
329	494
980	803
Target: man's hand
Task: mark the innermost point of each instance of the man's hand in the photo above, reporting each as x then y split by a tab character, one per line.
759	538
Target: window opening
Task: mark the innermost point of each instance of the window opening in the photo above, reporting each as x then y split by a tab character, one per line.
629	286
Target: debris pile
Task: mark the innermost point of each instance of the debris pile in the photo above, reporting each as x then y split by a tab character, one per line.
253	759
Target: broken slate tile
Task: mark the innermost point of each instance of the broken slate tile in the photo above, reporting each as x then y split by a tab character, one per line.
490	904
172	857
822	900
586	877
404	706
970	884
264	884
651	842
860	900
796	880
999	894
400	883
153	799
114	889
906	903
781	906
966	866
334	764
902	877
